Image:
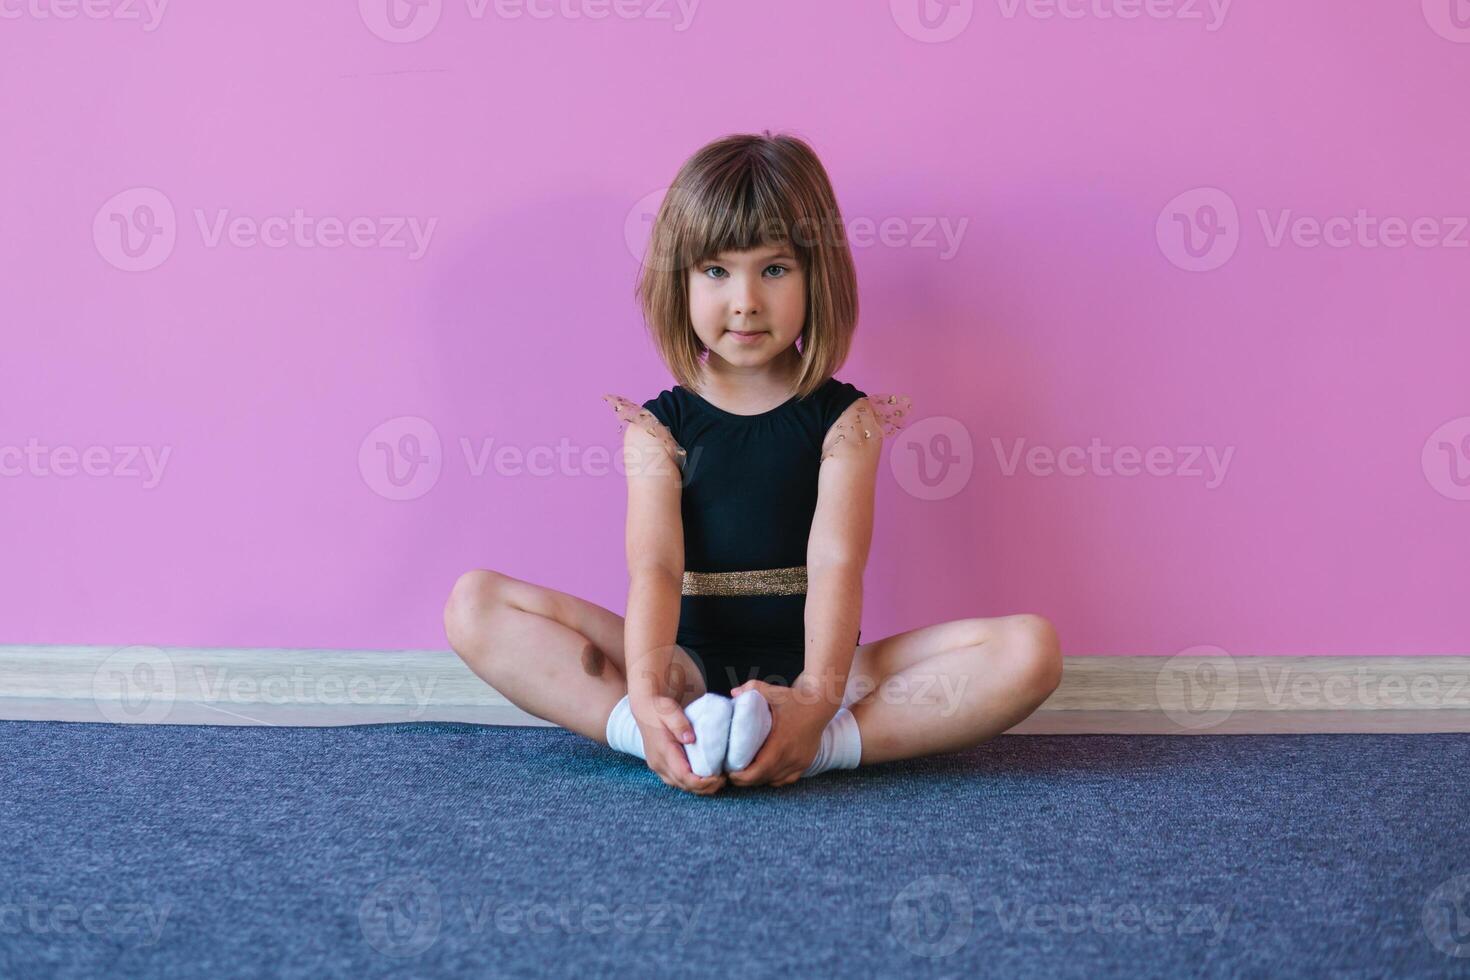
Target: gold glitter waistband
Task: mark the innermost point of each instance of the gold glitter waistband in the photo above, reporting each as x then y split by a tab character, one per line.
764	581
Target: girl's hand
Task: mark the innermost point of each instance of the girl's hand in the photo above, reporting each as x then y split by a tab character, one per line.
796	735
665	730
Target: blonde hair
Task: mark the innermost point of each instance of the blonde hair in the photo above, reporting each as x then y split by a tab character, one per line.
741	192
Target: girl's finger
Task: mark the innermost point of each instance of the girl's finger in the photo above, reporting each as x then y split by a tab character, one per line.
677	722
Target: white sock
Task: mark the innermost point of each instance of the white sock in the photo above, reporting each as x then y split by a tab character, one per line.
622	730
842	745
750	723
709	714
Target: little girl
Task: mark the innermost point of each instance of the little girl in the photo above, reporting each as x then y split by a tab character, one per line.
750	512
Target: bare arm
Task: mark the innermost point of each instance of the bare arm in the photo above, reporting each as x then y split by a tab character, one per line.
655	546
837	552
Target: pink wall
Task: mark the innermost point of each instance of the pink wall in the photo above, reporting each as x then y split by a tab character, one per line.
1065	155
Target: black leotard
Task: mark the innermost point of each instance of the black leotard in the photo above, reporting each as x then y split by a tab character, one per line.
749	493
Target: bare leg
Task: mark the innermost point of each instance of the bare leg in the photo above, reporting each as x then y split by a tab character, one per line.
551	654
951	686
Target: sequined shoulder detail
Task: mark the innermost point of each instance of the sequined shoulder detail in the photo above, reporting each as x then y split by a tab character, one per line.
879	412
634	414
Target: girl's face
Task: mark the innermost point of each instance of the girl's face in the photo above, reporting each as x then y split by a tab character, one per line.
748	307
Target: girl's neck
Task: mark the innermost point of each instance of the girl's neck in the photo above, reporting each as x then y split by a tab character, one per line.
747	391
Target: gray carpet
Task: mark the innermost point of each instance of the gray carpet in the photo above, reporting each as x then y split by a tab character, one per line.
456	850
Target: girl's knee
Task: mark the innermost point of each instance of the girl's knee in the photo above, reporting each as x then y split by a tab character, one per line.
1038	653
478	587
1026	653
474	593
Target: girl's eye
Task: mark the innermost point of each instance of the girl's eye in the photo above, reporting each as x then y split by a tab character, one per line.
721	269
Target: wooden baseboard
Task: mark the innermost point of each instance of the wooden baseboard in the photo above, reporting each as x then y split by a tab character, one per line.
1124	695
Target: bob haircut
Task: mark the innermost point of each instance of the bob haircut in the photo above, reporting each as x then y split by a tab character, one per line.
742	192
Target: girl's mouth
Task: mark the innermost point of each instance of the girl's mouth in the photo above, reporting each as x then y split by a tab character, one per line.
746	337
